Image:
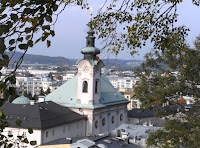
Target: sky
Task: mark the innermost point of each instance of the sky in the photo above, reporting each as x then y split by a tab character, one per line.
71	31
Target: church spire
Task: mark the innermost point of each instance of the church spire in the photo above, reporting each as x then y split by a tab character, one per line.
90	51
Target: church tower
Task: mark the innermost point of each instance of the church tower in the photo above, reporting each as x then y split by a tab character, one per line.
89	73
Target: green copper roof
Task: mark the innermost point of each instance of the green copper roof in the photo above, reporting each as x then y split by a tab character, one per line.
21	100
86	50
66	94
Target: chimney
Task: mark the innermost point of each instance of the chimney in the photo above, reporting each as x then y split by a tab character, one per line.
32	102
41	98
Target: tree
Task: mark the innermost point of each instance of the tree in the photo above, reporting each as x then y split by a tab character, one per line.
48	91
29	96
41	92
141	20
153	89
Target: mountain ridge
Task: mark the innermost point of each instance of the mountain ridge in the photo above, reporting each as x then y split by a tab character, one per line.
61	61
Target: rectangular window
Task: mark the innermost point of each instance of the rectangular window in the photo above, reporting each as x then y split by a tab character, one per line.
96	86
46	134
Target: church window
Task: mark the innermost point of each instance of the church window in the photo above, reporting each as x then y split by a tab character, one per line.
85	86
113	119
121	117
96	86
96	124
68	127
103	121
46	134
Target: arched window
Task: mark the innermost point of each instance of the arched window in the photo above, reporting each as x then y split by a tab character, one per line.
96	124
103	121
113	119
121	117
85	86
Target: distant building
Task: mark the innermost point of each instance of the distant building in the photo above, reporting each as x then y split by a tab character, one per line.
145	117
138	134
129	97
31	71
121	83
104	141
32	85
69	75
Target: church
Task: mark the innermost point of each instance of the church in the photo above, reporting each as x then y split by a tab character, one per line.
91	94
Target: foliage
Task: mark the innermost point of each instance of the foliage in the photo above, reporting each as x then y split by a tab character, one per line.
41	92
48	91
141	20
179	133
158	84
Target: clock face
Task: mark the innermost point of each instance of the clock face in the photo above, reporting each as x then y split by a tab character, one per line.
85	68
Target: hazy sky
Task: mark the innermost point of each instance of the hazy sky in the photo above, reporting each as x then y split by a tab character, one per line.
71	31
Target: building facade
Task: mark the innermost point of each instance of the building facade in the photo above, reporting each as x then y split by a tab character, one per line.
90	93
32	85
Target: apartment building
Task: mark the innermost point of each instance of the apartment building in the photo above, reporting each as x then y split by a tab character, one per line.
32	85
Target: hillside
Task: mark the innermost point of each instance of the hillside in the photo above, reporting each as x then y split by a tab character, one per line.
40	59
61	61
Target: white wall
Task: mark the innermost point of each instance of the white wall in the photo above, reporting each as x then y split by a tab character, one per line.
75	129
36	135
107	113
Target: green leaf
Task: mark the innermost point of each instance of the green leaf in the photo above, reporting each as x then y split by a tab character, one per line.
27	10
20	39
49	18
27	30
25	141
2	86
52	33
11	48
33	143
1	113
30	130
37	40
12	90
28	37
2	9
2	46
23	46
30	43
18	122
46	27
48	43
5	57
12	41
10	145
55	7
14	17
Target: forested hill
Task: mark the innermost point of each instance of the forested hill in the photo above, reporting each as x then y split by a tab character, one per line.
61	61
40	59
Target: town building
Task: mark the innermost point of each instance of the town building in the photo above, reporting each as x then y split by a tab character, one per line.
121	82
32	85
90	93
48	120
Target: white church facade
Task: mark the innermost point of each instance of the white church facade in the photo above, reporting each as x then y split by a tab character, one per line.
90	93
85	105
